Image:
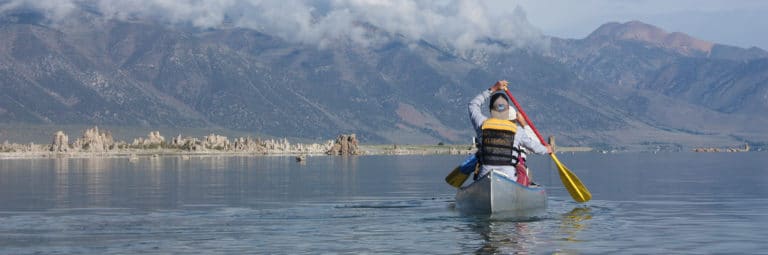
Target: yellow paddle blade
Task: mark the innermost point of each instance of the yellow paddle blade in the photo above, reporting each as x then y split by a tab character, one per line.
456	178
578	191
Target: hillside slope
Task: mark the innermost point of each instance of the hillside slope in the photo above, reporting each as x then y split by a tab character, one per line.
628	86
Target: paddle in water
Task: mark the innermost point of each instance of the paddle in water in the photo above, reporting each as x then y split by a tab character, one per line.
459	175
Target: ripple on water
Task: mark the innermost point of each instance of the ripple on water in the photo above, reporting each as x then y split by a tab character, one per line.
352	205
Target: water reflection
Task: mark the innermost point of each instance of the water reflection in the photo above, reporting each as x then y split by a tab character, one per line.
273	205
79	182
574	222
173	181
506	237
61	167
528	236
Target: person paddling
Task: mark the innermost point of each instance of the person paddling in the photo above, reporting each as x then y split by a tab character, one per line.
499	136
524	175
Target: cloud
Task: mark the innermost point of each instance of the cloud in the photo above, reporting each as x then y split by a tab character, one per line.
730	22
55	10
459	24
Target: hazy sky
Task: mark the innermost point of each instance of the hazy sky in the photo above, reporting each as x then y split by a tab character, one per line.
741	23
460	24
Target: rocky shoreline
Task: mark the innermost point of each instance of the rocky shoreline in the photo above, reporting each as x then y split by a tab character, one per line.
100	143
96	142
745	148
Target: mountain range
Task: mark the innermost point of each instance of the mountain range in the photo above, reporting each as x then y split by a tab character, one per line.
626	86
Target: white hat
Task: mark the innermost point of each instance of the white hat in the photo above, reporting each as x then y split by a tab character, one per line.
512	113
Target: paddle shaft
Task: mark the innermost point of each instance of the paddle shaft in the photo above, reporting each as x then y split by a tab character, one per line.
578	191
525	116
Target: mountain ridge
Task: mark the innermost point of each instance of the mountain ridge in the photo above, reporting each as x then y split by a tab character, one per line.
598	91
642	32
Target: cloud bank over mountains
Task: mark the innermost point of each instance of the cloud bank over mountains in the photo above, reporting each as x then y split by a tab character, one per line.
457	24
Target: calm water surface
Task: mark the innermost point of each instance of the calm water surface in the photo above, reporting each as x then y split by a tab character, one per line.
642	203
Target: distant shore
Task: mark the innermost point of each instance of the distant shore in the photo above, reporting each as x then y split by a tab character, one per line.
373	149
96	142
465	149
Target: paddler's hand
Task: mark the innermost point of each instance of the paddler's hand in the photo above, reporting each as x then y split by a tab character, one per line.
500	85
549	149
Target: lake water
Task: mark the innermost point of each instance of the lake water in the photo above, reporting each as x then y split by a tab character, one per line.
642	203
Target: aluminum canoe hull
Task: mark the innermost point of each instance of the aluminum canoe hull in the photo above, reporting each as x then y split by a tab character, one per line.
497	194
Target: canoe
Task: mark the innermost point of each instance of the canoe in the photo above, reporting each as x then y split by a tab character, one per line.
499	195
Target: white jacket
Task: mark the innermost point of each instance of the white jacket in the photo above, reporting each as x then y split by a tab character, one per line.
524	139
